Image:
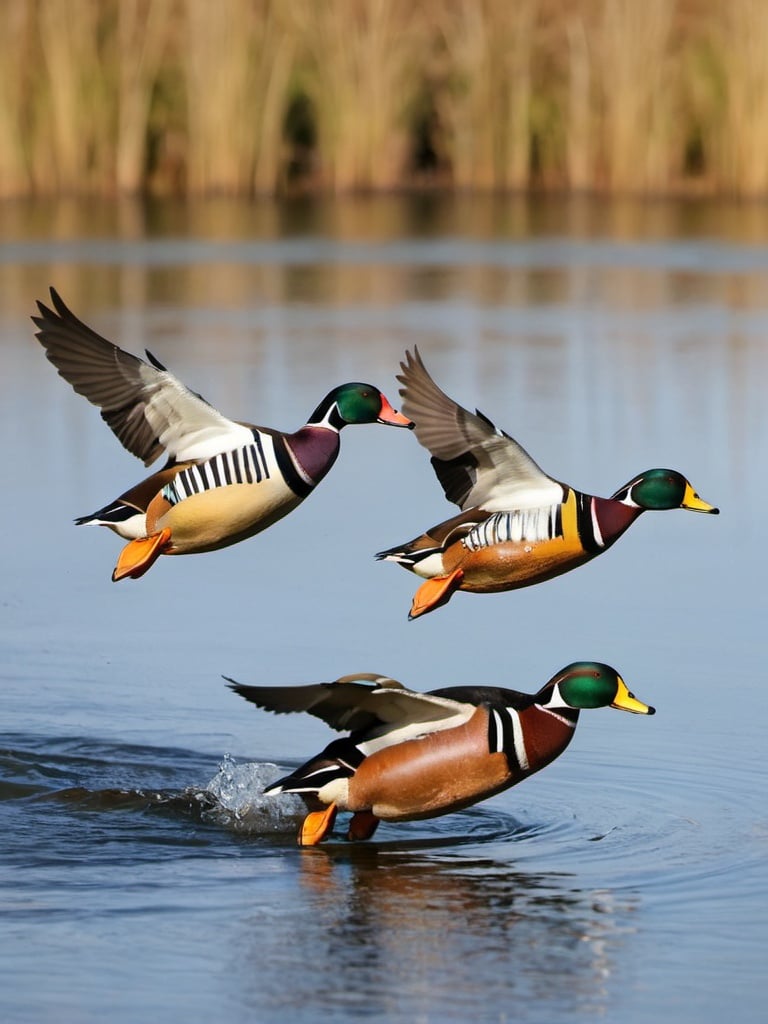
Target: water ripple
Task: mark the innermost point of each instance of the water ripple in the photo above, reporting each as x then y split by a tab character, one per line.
668	836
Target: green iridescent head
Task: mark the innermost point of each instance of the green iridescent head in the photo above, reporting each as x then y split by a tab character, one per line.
357	403
660	489
591	684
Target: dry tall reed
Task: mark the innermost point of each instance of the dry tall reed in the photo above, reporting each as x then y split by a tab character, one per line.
142	40
15	27
741	144
484	92
72	142
579	112
637	92
237	72
201	95
361	74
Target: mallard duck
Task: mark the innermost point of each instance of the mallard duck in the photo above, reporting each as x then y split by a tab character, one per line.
517	526
414	755
224	481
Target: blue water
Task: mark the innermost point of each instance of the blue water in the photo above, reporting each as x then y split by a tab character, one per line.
143	875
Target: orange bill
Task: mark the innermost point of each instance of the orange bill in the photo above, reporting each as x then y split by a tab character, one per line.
395	419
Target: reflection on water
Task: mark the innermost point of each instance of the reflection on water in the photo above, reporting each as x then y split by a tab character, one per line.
420	936
497	251
455	918
414	216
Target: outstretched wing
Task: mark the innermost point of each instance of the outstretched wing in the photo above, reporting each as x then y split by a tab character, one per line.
353	703
476	464
146	407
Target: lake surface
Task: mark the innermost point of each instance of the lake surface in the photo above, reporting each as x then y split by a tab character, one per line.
143	876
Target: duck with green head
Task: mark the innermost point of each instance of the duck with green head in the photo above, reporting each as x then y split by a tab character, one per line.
517	525
412	755
224	481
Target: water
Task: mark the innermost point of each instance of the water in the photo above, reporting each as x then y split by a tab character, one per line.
142	874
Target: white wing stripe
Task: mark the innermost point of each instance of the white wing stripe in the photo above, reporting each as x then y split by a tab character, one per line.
497	745
519	525
517	731
596	525
234	467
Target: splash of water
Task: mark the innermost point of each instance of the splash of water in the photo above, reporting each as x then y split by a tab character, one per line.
238	790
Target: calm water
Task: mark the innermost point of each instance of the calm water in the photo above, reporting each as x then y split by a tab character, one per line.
142	875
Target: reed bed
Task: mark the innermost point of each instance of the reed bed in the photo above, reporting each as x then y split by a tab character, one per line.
482	90
360	74
265	96
740	148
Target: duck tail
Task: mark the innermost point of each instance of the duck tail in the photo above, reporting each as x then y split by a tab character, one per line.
126	520
408	556
397	554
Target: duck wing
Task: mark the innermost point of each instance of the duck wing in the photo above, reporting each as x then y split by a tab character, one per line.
147	408
476	464
353	703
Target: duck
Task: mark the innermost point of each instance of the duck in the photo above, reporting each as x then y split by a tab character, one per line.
223	481
410	755
517	525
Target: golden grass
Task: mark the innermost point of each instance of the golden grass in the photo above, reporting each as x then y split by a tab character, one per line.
201	96
741	145
485	93
14	96
636	91
361	73
237	68
71	101
142	40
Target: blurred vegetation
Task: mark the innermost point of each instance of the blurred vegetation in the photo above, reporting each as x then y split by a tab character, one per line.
246	97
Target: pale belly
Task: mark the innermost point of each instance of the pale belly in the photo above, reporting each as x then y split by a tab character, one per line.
221	516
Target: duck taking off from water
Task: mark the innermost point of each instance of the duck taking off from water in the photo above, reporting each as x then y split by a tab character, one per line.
413	755
517	526
224	481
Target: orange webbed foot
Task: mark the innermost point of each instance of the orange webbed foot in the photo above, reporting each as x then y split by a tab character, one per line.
434	593
362	825
317	825
140	555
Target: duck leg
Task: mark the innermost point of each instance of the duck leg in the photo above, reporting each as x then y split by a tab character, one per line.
317	825
140	555
434	593
362	825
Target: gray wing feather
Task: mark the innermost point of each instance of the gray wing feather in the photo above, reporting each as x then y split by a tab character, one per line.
147	408
476	464
351	703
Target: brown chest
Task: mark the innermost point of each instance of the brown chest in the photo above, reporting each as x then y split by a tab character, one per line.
546	735
513	564
519	548
436	773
